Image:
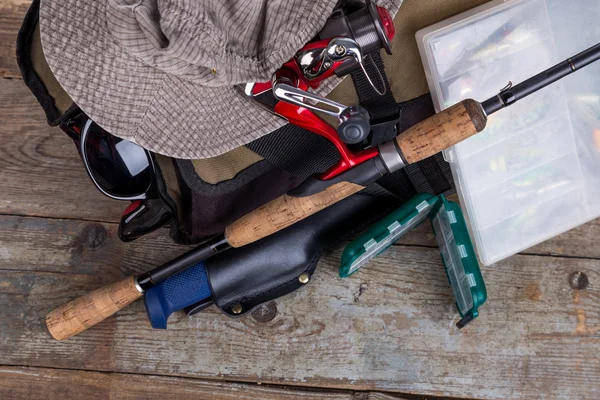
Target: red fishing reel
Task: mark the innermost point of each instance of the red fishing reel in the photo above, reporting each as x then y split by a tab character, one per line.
342	47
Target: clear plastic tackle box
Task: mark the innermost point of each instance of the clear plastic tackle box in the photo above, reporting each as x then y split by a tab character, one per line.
534	172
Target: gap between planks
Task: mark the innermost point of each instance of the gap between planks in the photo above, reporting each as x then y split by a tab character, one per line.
400	242
50	217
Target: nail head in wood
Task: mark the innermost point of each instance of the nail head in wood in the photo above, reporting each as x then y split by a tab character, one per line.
265	312
579	280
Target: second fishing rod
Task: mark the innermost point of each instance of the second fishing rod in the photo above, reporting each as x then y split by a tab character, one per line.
423	140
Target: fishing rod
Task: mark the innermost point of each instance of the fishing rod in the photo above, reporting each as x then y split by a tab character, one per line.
511	94
423	140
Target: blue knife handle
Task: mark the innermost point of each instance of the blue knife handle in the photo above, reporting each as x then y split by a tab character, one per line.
181	290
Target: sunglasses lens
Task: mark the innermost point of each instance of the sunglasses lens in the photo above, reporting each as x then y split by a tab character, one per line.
120	167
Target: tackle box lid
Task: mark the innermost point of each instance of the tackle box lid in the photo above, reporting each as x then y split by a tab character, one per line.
459	259
385	232
534	172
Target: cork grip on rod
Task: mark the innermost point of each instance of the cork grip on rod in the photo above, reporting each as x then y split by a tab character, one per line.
442	131
90	309
283	212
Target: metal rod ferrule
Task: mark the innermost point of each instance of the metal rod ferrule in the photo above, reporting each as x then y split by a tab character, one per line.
392	157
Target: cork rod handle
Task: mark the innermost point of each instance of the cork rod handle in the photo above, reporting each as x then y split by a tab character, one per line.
283	212
86	311
441	131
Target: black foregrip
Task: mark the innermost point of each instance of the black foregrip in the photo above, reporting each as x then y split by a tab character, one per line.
363	174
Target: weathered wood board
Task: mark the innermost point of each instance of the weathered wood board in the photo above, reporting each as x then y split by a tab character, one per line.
40	169
536	336
56	245
26	383
19	383
11	17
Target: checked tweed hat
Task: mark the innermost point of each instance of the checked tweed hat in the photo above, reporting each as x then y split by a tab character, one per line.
162	73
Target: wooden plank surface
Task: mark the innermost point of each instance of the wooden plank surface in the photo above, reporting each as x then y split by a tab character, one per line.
37	162
25	383
17	383
11	17
40	169
56	245
388	328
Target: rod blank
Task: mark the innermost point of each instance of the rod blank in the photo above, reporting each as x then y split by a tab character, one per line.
512	94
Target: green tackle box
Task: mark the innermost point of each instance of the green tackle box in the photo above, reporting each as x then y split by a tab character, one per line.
453	239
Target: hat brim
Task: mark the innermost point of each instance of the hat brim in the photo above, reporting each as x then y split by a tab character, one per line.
140	103
137	102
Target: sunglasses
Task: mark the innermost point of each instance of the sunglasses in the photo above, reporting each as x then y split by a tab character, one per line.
121	170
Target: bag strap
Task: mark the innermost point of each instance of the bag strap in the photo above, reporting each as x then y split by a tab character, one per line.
296	150
381	107
432	175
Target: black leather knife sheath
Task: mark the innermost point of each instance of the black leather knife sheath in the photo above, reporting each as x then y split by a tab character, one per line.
244	278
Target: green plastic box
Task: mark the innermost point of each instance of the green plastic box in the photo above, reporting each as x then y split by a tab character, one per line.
453	239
